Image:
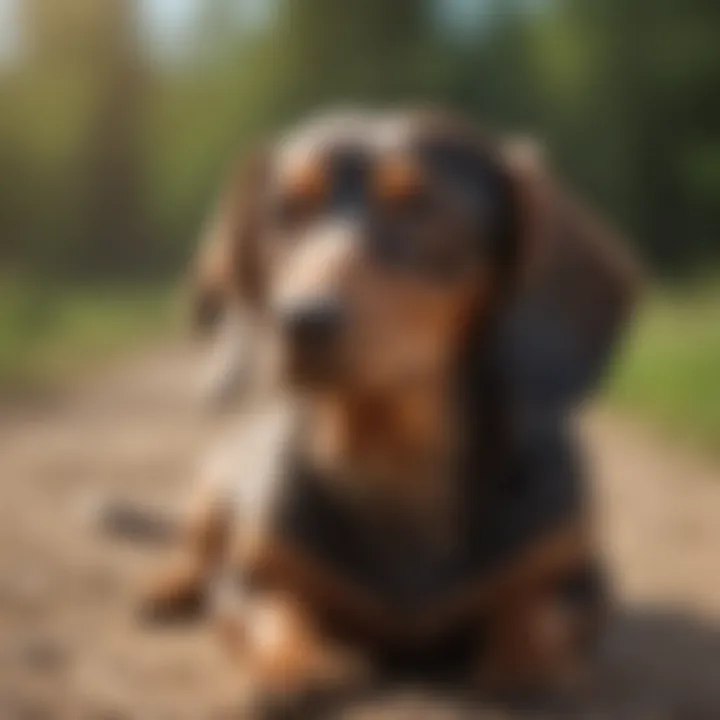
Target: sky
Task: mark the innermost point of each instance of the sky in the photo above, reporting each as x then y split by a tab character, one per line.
166	23
9	31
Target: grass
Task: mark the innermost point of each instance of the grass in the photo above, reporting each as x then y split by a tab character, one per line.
670	370
47	333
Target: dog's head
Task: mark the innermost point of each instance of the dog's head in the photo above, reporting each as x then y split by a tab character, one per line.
373	243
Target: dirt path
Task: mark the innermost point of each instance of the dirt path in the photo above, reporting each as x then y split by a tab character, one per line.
71	648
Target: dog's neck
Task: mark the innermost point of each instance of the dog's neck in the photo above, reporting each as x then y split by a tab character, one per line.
390	453
407	456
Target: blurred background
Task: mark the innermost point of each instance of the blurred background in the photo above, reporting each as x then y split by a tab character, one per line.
118	119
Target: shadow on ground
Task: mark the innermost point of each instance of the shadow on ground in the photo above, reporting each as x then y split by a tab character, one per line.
655	665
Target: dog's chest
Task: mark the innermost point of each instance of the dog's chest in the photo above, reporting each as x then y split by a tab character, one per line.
406	566
495	518
411	571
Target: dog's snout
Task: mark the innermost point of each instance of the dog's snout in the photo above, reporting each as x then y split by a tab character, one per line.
314	323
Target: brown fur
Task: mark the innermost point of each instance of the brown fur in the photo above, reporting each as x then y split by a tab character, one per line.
397	445
287	661
568	250
385	434
275	564
223	270
180	589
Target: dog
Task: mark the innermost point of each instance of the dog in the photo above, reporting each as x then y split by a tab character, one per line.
414	498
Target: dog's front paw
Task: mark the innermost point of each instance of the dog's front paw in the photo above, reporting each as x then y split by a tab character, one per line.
291	671
177	595
299	688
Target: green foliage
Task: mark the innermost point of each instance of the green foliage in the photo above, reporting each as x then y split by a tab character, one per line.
111	151
46	332
671	369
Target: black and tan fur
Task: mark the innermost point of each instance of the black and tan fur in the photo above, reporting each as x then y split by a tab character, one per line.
430	503
221	299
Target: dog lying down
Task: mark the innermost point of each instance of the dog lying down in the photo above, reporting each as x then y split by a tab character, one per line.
409	501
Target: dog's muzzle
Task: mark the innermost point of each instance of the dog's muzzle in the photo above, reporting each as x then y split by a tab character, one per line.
313	336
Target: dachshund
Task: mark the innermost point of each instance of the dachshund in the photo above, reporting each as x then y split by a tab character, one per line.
413	498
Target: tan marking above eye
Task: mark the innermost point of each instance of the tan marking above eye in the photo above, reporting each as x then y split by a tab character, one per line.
397	180
307	182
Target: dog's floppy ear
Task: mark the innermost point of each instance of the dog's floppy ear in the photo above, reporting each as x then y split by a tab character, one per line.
575	288
227	267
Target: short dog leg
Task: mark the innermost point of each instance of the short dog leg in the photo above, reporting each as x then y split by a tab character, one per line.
527	641
538	643
289	667
178	591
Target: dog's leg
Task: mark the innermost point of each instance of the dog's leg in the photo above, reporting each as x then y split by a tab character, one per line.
288	666
542	639
528	646
178	591
541	616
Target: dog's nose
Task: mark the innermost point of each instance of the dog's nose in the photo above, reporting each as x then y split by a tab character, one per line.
314	323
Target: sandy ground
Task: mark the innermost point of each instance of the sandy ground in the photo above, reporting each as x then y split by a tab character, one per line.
71	647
